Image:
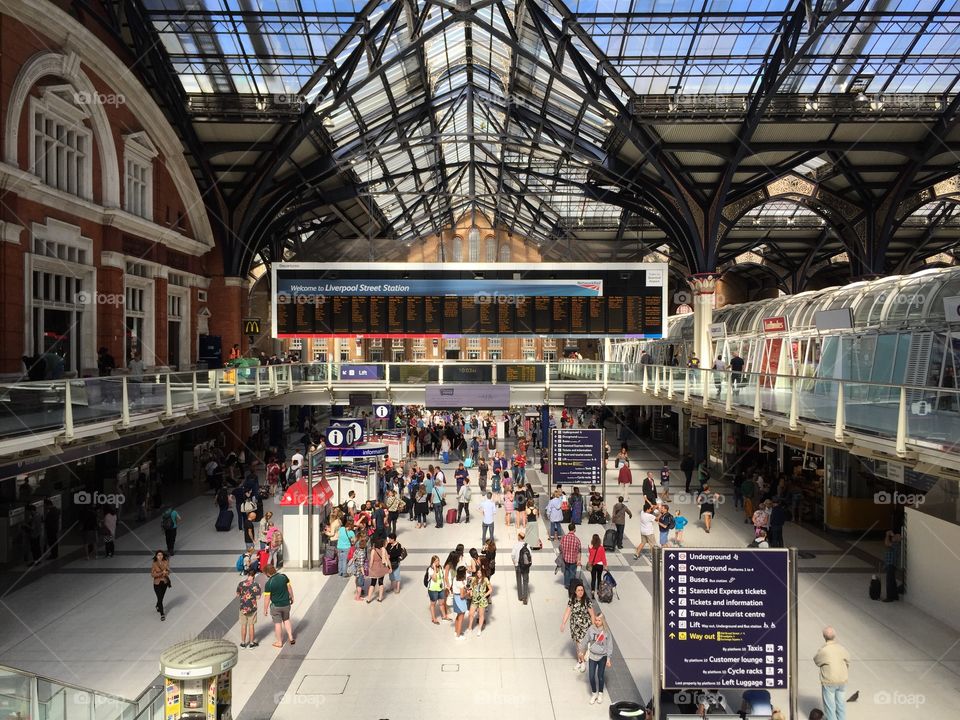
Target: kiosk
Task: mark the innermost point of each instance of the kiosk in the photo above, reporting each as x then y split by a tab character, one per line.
196	681
294	511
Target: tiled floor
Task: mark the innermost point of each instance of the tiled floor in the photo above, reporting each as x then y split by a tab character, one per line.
93	624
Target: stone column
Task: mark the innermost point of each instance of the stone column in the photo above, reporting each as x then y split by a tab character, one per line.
703	285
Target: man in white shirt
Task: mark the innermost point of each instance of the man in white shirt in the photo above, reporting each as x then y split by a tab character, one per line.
489	510
719	367
648	529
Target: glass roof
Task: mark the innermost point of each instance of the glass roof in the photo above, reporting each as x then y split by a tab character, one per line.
707	47
431	112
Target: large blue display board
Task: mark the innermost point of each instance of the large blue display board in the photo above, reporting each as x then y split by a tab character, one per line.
576	456
725	618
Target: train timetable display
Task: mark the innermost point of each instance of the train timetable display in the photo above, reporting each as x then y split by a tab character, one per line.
453	300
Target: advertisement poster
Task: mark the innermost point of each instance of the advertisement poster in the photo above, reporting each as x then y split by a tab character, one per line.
212	698
172	706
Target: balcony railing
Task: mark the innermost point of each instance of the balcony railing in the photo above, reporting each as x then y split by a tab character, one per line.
906	415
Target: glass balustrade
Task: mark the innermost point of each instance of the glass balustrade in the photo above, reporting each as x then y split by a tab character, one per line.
31	408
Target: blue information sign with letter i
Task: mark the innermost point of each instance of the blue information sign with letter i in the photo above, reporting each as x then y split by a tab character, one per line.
726	618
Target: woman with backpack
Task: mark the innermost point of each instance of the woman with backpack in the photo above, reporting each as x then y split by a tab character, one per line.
597	560
433	582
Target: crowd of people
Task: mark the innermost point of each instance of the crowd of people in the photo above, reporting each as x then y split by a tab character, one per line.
364	536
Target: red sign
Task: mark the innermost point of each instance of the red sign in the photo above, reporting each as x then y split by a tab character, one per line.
775	324
296	494
684	309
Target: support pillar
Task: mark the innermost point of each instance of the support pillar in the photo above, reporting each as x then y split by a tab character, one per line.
703	285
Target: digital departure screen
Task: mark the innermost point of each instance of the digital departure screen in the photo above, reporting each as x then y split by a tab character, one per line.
454	300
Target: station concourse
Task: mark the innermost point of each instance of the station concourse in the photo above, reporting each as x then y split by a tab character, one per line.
269	266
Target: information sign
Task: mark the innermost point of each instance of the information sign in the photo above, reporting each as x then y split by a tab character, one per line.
382	411
725	618
576	456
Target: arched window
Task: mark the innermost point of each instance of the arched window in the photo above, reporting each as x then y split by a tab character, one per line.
473	245
457	249
505	253
491	249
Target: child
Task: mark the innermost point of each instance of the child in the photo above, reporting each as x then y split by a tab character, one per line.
359	561
680	523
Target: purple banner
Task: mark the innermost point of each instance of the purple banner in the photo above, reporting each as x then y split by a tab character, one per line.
360	372
486	397
726	618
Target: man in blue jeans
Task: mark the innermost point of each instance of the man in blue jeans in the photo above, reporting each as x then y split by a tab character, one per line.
488	509
438	504
570	549
834	663
555	515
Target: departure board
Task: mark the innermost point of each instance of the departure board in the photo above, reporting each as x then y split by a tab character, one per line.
416	315
396	315
469	316
489	318
321	316
542	316
340	315
360	315
378	315
432	315
451	316
453	300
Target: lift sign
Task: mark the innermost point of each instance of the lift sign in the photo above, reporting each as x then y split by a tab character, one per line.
725	618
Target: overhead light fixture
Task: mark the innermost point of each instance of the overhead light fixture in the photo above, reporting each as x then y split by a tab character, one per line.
876	105
261	104
756	221
789	221
861	97
329	123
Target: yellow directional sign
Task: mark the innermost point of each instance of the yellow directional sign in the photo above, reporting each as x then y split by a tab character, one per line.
251	326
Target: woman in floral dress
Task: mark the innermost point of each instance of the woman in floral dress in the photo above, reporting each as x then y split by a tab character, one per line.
580	614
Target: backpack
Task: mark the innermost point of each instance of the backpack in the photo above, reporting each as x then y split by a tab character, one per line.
166	520
520	500
605	593
526	559
426	578
240	563
671	522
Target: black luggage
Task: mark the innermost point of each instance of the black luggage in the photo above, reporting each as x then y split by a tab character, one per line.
224	520
610	539
874	588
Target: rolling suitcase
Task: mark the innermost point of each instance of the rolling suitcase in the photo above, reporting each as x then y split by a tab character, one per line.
330	565
610	539
224	520
451	516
